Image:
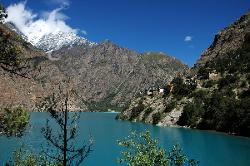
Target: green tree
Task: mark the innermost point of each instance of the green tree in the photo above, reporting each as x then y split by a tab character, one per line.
3	13
14	121
22	157
143	150
64	139
10	52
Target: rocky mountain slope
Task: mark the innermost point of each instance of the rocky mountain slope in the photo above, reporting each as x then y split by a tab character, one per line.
107	73
26	90
104	76
213	95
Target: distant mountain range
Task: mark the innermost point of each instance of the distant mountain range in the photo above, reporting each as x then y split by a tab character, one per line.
105	75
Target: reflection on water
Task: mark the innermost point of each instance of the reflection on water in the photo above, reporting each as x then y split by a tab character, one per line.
210	148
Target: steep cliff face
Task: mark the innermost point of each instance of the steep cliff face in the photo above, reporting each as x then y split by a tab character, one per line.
215	96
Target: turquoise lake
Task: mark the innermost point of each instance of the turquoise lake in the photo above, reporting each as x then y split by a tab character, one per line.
210	148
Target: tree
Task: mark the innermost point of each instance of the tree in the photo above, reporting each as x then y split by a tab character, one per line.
22	157
142	150
3	13
14	121
10	52
69	154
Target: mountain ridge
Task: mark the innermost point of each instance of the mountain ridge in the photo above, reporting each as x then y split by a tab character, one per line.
102	74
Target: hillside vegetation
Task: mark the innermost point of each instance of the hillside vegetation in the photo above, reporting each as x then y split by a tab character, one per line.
213	95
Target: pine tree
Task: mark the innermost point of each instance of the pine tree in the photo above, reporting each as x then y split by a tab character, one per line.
63	141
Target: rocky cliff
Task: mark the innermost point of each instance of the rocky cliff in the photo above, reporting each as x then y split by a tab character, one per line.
107	73
214	94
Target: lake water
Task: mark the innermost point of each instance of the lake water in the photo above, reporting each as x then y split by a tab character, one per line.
210	148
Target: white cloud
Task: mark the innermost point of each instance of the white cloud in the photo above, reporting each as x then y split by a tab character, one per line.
35	27
188	38
84	32
60	2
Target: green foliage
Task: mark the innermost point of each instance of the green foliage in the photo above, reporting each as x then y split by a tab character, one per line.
157	117
182	88
245	93
3	13
104	104
170	106
236	62
177	157
62	147
191	114
199	95
137	110
209	83
10	54
14	121
203	73
23	157
147	111
243	84
226	81
143	150
227	114
218	112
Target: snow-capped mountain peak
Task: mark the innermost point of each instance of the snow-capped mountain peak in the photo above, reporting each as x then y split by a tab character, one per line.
55	41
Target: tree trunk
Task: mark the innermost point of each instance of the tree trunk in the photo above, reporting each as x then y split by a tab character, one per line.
65	132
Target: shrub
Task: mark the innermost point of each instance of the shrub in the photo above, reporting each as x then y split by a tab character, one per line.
182	88
14	121
199	95
143	150
203	73
190	115
137	110
170	106
157	117
209	83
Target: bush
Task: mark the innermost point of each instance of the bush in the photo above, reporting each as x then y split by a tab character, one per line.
142	150
209	84
157	117
147	111
170	106
199	95
182	88
190	115
137	110
203	73
14	121
22	157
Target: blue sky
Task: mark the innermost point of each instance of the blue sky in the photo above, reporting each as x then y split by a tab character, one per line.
148	25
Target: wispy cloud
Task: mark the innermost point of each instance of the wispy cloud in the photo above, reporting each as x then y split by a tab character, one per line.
34	26
84	32
60	2
188	38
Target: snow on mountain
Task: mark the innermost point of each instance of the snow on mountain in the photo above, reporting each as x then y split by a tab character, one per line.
55	41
